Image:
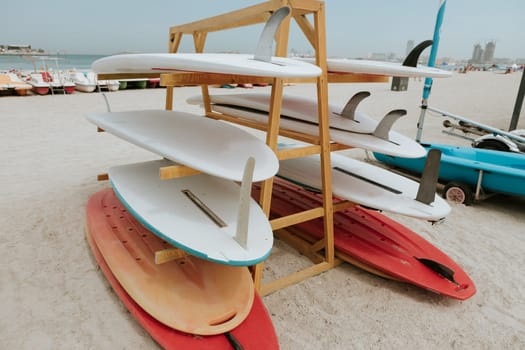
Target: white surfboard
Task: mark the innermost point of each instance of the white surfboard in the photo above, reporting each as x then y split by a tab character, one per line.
259	64
393	69
225	63
300	114
211	146
198	214
295	106
365	184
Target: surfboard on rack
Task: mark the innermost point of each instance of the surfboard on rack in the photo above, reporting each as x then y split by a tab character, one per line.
203	215
393	69
222	63
376	243
204	144
366	184
189	294
347	125
259	64
106	217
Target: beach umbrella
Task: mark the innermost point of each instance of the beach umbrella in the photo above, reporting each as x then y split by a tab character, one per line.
431	63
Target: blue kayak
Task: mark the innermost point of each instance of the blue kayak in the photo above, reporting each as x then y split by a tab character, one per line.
488	170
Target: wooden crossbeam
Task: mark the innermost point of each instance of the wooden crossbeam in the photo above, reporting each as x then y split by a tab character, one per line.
166	255
175	171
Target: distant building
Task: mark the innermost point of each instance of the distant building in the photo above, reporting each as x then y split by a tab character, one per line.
410	46
477	54
377	56
488	54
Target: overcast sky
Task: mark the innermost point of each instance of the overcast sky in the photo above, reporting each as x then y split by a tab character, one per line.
355	28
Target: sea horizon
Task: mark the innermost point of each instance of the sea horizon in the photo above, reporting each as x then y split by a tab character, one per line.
20	62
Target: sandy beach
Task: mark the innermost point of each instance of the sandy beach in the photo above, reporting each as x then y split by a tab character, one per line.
55	297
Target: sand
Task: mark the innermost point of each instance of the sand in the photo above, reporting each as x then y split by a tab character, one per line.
54	296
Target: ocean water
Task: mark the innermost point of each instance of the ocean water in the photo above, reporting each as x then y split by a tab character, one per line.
64	62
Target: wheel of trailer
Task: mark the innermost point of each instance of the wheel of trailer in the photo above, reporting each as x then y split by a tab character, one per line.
493	145
458	192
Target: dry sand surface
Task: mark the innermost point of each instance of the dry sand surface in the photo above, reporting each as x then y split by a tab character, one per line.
54	296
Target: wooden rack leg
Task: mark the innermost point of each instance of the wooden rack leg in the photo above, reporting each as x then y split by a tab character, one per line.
324	132
272	135
169	98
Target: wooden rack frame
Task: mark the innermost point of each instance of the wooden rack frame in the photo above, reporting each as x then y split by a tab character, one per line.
320	144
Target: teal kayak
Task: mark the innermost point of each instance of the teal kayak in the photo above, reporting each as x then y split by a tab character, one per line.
493	171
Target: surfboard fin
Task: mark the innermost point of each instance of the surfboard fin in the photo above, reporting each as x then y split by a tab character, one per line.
243	216
427	187
439	268
233	341
413	56
349	109
263	52
383	128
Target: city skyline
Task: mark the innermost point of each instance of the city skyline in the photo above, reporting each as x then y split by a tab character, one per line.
353	29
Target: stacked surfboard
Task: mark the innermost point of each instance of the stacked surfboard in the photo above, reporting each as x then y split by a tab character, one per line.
176	248
353	180
175	236
362	237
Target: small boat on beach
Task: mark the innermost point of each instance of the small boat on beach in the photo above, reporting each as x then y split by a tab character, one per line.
38	84
44	82
82	82
470	173
133	84
10	82
54	79
109	85
60	82
153	83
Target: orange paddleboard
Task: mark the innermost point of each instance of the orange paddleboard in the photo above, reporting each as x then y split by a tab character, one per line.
256	332
188	294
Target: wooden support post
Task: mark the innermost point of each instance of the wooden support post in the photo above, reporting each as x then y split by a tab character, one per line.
324	132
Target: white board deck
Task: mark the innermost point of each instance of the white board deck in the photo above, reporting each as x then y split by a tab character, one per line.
294	106
303	113
211	146
225	63
162	207
365	184
393	69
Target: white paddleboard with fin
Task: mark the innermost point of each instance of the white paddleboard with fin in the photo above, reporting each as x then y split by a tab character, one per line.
262	63
408	69
372	186
211	146
347	125
206	216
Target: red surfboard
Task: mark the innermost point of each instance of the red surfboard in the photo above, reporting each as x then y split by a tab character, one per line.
371	240
255	332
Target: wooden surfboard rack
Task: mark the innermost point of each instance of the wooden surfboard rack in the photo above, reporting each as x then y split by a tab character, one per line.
322	252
